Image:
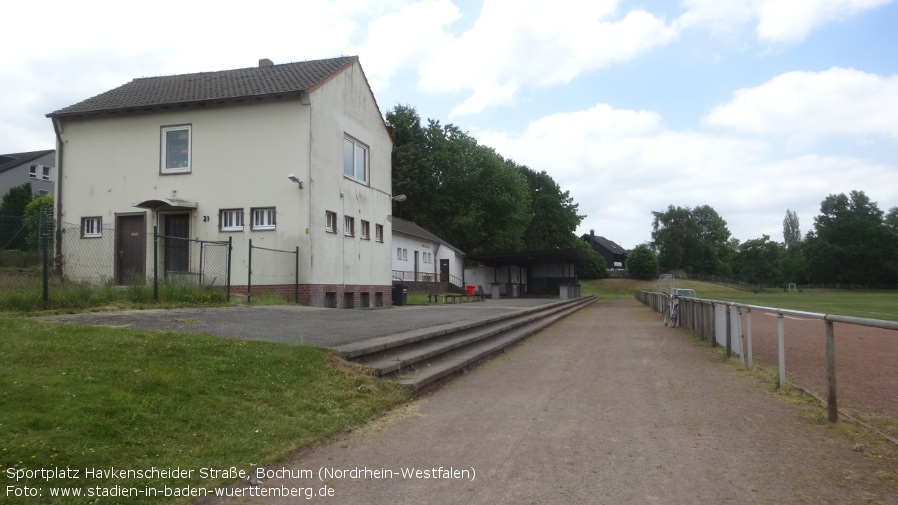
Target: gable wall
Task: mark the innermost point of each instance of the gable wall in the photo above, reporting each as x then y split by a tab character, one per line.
344	105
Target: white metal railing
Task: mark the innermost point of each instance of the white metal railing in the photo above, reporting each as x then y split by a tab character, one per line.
709	319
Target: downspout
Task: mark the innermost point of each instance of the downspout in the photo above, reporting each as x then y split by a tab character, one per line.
57	197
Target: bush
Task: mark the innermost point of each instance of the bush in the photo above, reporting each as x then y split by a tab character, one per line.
642	263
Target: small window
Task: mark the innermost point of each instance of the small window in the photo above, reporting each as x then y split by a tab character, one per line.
330	221
175	149
366	230
399	253
32	173
264	218
348	226
405	255
46	173
231	220
91	227
355	159
379	232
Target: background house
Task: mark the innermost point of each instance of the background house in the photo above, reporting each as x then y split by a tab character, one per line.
419	256
289	156
35	167
615	255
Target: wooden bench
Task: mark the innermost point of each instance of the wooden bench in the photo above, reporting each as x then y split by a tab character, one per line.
433	294
478	295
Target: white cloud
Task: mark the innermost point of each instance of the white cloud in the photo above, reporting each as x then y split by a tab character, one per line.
806	106
405	38
537	43
620	165
787	21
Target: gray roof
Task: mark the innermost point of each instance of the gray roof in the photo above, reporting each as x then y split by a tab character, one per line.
410	228
13	160
607	244
211	87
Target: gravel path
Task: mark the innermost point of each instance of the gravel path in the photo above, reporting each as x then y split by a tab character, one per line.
606	406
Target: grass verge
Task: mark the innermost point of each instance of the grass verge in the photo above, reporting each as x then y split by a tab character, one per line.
99	398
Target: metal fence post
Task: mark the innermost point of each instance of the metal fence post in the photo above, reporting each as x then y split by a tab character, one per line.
45	251
748	338
249	274
782	348
831	403
156	263
729	332
296	284
228	281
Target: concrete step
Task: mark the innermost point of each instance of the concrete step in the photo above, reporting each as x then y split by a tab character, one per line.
429	371
402	357
356	350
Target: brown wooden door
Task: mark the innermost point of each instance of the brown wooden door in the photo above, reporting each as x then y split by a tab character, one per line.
130	249
444	270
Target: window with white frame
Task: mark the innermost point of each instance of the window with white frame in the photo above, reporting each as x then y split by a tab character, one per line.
355	159
348	226
264	218
399	253
366	230
91	227
176	149
32	172
46	175
330	221
231	220
379	232
405	255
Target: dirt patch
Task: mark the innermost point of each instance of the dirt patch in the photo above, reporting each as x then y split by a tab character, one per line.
606	406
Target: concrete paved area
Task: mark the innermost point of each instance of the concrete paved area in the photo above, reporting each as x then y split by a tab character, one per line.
293	323
606	407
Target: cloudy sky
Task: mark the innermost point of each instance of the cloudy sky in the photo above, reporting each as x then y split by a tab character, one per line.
749	106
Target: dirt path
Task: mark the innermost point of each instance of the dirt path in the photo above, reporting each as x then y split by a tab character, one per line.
607	406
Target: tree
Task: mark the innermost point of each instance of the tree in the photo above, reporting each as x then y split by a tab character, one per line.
593	268
642	263
12	208
850	243
470	195
15	200
891	219
759	261
38	220
791	230
696	240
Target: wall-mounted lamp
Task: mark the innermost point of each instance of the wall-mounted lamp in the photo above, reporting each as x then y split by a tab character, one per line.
399	198
295	179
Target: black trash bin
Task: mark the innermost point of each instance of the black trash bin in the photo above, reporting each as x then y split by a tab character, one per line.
400	293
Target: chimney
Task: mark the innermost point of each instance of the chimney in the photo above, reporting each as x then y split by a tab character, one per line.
265	62
592	235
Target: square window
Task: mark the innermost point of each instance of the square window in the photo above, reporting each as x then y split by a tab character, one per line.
264	218
348	226
379	232
366	230
330	221
355	159
231	220
176	149
91	227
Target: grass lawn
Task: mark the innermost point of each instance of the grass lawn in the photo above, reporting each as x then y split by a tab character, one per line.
869	304
86	397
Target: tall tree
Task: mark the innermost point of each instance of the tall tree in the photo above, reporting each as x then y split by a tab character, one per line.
696	240
759	261
850	243
553	213
791	229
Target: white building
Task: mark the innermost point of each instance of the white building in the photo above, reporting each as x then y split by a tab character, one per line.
421	256
289	156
